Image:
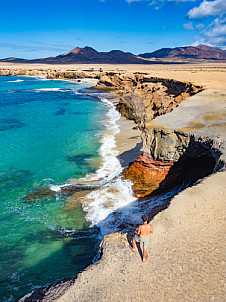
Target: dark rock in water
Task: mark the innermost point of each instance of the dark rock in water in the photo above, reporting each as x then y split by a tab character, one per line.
43	193
60	112
49	293
9	124
11	178
69	190
79	158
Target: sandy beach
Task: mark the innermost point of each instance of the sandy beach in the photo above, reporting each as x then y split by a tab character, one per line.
186	253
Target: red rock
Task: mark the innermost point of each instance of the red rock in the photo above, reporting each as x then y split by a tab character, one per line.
147	174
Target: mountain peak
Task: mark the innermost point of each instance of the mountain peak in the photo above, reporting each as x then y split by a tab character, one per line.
188	53
75	50
83	50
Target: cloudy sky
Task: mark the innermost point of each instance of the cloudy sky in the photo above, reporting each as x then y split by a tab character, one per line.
34	29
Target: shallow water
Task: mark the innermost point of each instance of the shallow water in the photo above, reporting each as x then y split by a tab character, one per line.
49	133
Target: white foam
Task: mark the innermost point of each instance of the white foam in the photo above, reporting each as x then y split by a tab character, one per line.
15	81
113	202
115	192
103	202
57	188
48	89
111	166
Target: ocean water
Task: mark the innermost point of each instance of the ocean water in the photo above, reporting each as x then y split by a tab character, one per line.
49	134
52	135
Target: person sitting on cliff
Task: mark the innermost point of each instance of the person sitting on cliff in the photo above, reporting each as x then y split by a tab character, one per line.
143	236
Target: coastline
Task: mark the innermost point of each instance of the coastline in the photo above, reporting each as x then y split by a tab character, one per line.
186	254
175	256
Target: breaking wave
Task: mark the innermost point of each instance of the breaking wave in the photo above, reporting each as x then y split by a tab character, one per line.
15	81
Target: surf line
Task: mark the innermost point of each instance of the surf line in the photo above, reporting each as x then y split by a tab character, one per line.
115	192
108	191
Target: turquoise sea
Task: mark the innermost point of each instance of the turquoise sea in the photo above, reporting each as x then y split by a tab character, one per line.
49	133
53	134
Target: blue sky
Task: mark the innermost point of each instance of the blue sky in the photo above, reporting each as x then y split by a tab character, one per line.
34	29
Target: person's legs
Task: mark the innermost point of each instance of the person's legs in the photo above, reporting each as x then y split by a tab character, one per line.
145	248
133	244
144	254
134	240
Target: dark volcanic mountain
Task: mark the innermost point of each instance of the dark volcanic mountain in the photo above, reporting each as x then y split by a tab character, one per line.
86	55
190	52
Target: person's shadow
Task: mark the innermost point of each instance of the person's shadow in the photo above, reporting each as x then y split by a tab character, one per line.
129	237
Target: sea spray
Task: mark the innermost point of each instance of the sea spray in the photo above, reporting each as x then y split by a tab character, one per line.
15	81
115	192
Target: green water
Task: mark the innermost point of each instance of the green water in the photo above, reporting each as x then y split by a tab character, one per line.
49	134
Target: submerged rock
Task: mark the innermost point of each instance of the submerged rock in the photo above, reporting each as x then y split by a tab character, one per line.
10	124
11	178
43	193
79	158
71	189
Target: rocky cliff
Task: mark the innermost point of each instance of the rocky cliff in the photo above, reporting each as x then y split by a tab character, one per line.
144	97
170	157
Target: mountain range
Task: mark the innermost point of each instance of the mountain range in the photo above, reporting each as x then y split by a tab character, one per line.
201	52
88	55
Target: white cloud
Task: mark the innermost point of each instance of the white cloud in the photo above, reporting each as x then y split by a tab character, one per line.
188	26
214	34
129	1
156	1
217	28
208	8
199	26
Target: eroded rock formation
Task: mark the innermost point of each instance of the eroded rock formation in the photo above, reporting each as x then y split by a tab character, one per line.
170	158
144	97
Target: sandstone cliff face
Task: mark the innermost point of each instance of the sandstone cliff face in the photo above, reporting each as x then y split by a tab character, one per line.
164	144
144	97
170	158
